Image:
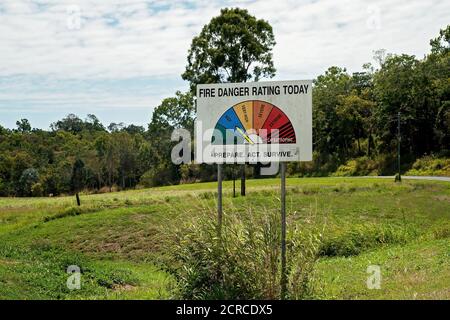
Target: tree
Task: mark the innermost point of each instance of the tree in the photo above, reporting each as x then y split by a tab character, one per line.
441	44
23	125
116	127
328	128
173	113
18	164
77	179
133	129
356	113
71	123
106	148
3	131
28	178
93	124
127	153
436	66
232	47
398	88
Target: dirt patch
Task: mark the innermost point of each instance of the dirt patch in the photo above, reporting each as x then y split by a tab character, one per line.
9	262
443	294
124	287
110	247
444	198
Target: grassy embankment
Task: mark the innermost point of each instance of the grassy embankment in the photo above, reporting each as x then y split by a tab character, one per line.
117	239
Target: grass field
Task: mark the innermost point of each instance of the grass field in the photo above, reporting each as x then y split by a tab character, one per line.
117	238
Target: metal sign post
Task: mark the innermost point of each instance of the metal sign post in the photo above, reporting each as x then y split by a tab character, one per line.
399	138
283	280
219	199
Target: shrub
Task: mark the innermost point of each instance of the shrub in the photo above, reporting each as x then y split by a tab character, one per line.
37	190
190	173
322	165
245	263
430	166
157	176
362	166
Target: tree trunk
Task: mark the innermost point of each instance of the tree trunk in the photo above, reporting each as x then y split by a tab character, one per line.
109	178
257	170
98	181
78	199
243	180
234	181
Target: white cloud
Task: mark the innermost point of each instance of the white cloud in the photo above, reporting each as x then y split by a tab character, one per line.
141	44
123	40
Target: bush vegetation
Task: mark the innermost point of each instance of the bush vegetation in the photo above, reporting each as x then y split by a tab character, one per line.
430	166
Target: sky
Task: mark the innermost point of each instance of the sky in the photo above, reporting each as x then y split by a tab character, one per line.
118	59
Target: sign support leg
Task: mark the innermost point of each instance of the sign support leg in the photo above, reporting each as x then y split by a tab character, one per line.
283	231
219	199
399	137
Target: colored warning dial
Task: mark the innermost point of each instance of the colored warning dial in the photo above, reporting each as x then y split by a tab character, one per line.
253	122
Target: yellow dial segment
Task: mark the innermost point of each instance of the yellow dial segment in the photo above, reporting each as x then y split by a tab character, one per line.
244	111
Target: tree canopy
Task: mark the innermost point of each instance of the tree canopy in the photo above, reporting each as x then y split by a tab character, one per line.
232	47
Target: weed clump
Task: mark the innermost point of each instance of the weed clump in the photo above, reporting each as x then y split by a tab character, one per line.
441	230
365	237
244	262
70	212
207	195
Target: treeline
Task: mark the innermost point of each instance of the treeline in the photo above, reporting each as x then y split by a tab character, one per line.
354	132
357	116
82	154
34	162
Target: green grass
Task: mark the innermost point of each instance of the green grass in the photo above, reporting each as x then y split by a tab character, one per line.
118	238
419	270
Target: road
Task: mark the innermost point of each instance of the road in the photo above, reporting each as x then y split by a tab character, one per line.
412	178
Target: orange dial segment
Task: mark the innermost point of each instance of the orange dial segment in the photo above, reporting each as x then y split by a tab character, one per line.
261	111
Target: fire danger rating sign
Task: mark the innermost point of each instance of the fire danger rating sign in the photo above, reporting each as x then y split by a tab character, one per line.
254	122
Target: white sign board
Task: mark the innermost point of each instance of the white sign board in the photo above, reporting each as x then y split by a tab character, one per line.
254	122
